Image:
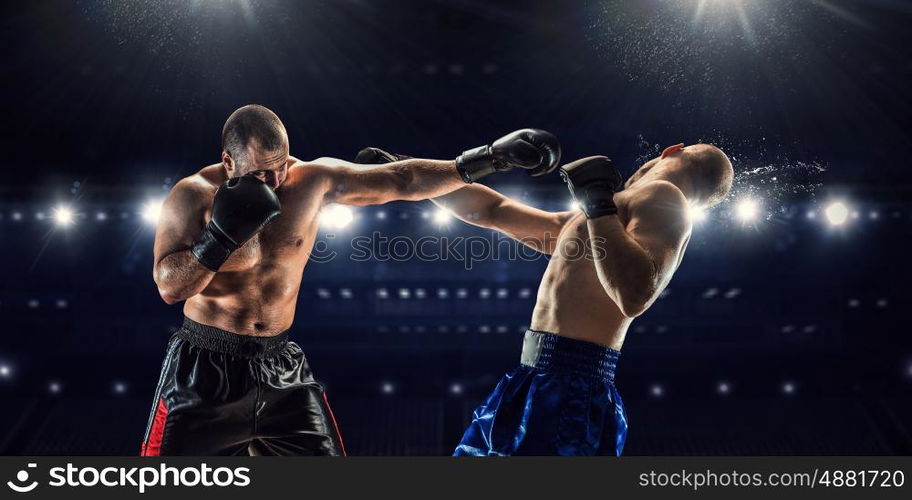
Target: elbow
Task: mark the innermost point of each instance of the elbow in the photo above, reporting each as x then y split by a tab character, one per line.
634	301
170	295
169	299
631	308
167	291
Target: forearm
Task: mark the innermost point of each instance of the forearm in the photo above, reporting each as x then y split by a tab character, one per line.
471	203
420	179
625	270
180	276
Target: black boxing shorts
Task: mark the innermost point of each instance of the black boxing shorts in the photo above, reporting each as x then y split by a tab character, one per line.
220	393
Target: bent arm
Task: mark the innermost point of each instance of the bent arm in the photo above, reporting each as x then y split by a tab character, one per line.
484	207
635	262
406	180
176	271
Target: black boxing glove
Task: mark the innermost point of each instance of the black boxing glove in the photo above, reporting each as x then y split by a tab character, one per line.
593	182
242	207
533	150
376	156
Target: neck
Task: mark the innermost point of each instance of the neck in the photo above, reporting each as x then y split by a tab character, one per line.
681	182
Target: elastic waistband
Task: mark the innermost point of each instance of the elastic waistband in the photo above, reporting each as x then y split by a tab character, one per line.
553	353
215	339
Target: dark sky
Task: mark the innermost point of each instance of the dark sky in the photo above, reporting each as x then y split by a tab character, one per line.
125	93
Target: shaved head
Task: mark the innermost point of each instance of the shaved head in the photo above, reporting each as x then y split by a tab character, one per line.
253	124
710	172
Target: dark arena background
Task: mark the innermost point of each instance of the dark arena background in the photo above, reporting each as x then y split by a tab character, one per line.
783	332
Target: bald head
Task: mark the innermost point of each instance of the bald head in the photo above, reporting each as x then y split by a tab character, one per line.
253	125
709	170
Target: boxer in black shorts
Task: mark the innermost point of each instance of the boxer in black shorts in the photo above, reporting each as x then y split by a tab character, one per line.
232	242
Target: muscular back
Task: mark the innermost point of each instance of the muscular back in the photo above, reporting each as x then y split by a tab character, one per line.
571	299
255	291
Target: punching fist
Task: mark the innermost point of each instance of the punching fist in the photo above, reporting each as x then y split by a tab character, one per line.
533	150
593	182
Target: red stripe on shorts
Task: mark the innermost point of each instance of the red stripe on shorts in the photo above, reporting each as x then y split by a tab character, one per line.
152	446
335	425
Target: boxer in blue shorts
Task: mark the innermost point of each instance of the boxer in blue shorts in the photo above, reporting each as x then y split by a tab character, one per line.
610	260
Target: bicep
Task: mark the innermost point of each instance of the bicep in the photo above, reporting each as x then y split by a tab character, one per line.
662	231
180	221
362	184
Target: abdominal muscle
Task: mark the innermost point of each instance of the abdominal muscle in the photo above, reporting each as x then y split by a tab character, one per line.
257	302
571	301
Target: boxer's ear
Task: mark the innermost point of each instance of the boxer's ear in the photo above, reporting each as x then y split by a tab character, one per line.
228	163
670	150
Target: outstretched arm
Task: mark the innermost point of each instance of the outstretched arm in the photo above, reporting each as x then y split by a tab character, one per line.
484	207
535	151
407	180
635	262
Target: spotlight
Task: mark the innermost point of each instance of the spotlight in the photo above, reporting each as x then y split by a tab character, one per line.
151	211
63	216
336	216
5	371
120	388
54	387
17	216
381	215
837	213
456	389
657	391
101	216
442	216
696	213
573	205
748	209
723	388
387	388
788	388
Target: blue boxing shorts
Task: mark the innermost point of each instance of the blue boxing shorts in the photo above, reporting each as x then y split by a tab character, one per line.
560	400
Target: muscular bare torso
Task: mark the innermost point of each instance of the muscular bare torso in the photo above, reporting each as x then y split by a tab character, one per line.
255	291
571	301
